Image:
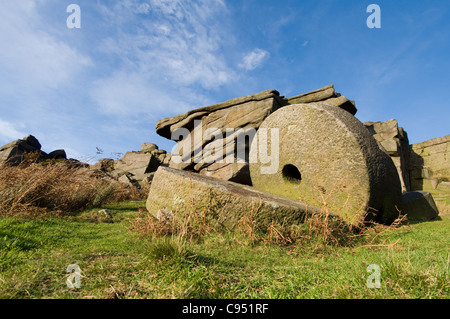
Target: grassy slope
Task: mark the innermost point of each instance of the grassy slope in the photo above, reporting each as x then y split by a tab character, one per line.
116	263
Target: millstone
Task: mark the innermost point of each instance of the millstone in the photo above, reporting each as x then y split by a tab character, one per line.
182	192
328	158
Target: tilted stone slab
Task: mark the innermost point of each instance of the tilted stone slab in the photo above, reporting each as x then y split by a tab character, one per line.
178	191
326	94
419	206
327	156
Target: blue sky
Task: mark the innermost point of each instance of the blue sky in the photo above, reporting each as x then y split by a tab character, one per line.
134	62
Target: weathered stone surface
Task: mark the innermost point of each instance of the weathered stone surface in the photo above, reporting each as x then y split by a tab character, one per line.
430	167
166	127
33	142
228	120
393	140
327	95
14	152
234	172
327	156
321	94
57	154
219	127
106	165
343	103
180	191
148	147
419	206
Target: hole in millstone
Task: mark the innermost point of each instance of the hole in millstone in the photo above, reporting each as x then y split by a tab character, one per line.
291	174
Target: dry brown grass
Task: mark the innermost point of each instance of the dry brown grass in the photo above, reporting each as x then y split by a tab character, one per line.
36	189
192	224
321	227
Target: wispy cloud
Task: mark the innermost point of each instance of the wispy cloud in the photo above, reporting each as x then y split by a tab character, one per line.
175	49
33	58
254	59
10	131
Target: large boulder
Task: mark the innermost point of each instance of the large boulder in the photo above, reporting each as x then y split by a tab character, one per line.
183	192
15	151
148	147
393	140
430	167
327	95
326	157
136	166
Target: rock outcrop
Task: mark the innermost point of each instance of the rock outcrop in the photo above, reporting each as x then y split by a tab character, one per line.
209	137
430	167
419	206
135	167
18	150
393	140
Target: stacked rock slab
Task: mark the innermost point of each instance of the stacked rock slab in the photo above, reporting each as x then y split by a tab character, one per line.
328	157
393	140
217	128
209	137
430	167
182	194
135	168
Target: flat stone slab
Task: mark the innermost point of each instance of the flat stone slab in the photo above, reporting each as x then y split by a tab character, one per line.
180	191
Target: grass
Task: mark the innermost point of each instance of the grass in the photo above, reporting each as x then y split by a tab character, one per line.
119	262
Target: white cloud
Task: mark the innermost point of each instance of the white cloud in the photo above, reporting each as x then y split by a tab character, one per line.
31	57
10	132
254	59
130	94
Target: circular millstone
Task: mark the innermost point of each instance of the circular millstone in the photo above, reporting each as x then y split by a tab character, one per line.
327	158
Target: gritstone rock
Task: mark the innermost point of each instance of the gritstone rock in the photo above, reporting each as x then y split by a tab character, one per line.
243	115
393	140
430	167
16	151
328	157
136	165
180	191
419	206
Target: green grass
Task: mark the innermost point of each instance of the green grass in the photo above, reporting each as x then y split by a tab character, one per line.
117	263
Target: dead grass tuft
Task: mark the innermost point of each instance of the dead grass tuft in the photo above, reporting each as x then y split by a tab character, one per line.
57	188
